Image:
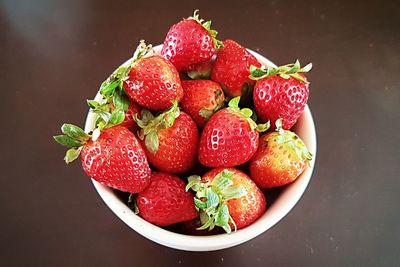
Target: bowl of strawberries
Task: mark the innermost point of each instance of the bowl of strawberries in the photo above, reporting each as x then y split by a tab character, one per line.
198	144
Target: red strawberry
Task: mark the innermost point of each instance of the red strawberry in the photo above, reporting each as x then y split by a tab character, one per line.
165	201
190	41
280	159
201	99
231	68
230	137
280	93
115	159
171	140
152	82
226	197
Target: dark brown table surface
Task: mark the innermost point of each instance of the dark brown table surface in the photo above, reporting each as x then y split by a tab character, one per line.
54	55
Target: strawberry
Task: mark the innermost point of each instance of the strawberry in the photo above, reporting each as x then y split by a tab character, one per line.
226	197
231	68
165	201
280	92
112	156
280	159
190	41
171	139
230	137
152	81
201	99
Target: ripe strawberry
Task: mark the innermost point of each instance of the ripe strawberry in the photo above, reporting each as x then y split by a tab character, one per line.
171	139
230	137
280	159
201	99
231	68
190	41
226	197
152	81
165	201
113	157
280	92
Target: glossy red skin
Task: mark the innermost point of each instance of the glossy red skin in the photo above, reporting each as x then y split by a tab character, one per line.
232	67
227	140
165	201
154	83
276	97
117	159
247	209
177	150
198	95
271	166
187	43
129	122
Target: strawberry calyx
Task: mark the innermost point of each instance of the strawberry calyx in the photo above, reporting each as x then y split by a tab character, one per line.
233	106
211	199
293	141
207	25
293	70
74	138
150	125
110	113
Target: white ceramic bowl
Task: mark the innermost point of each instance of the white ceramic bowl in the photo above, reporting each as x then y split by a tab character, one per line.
280	207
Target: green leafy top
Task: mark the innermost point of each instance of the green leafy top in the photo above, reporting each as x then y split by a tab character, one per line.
212	197
286	71
247	113
152	125
207	25
74	138
293	141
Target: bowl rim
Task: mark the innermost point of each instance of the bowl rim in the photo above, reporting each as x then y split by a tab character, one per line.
220	241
